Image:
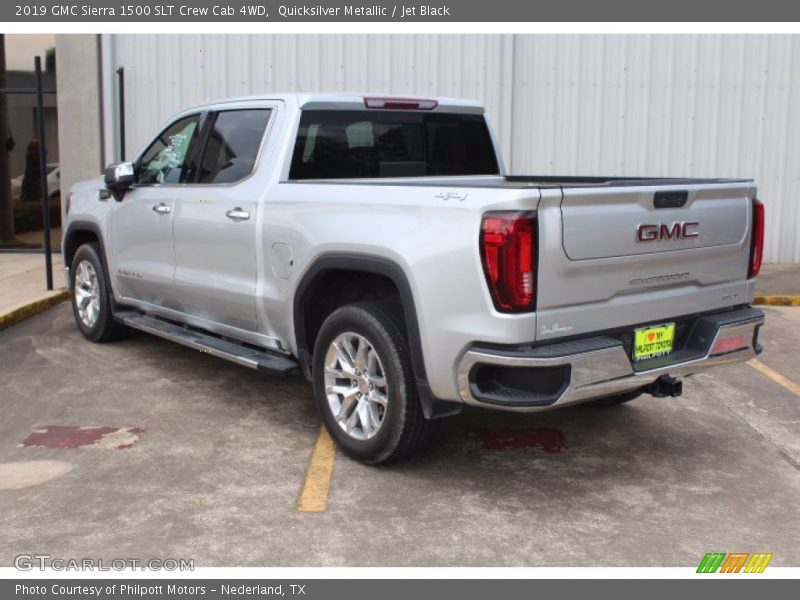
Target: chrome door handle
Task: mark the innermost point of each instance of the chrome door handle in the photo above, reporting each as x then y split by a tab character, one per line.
237	214
162	209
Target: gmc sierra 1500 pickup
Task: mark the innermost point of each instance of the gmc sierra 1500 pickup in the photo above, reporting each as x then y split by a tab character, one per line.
376	246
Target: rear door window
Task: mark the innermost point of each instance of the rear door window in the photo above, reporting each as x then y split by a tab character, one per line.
335	144
232	146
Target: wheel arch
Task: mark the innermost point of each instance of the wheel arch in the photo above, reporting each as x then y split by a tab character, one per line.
77	234
347	263
375	266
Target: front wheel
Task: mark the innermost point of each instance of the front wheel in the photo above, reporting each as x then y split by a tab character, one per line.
364	384
91	297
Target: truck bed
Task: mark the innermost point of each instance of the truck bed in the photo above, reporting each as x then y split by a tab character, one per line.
528	181
573	181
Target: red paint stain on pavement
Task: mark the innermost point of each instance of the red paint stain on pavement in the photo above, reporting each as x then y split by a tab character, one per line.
73	436
550	441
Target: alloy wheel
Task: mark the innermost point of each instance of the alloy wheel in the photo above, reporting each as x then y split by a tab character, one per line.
87	293
355	385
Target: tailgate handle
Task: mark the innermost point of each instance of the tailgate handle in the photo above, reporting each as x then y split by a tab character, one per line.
674	199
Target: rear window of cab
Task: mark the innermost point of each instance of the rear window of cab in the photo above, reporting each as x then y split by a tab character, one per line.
352	144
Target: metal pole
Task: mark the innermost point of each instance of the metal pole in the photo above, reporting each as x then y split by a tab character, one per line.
48	257
121	93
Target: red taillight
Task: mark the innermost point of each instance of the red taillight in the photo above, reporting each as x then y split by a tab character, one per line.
401	103
509	261
757	241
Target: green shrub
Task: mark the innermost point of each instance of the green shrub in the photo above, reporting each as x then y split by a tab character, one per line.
28	215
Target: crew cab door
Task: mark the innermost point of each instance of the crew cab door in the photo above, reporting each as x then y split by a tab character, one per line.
215	225
142	255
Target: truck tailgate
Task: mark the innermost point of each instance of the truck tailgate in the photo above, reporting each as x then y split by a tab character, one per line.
617	256
616	222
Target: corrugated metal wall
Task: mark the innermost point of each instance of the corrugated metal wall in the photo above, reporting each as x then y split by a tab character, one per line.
660	105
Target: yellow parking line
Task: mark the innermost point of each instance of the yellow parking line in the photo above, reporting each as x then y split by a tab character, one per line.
777	300
314	496
775	376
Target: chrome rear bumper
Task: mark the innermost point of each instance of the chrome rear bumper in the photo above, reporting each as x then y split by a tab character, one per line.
600	366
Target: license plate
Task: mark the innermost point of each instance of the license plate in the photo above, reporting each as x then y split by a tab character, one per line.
650	342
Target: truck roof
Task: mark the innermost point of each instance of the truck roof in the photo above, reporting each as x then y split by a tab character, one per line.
349	101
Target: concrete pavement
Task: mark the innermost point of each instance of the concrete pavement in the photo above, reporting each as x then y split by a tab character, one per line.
216	472
778	285
775	279
23	286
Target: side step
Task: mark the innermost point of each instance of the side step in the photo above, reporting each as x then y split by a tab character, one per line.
261	360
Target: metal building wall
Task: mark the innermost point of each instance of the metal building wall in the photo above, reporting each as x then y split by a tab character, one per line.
666	105
660	105
167	73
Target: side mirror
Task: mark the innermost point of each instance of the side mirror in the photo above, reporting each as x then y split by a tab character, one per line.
119	177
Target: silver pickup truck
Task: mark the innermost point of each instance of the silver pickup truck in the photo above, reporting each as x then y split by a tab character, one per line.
377	246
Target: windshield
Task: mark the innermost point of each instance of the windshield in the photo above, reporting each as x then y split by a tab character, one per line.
338	144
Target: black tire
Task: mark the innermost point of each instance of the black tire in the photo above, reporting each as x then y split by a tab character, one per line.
617	400
104	328
404	429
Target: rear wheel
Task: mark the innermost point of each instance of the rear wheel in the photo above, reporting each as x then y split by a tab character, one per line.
91	297
618	399
364	384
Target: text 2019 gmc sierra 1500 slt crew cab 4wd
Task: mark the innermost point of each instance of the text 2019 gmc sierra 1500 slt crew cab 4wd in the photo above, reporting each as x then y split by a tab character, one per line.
376	246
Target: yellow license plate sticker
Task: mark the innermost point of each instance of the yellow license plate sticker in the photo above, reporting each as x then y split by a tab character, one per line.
650	342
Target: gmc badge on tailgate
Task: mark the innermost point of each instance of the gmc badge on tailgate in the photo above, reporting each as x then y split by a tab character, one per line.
655	232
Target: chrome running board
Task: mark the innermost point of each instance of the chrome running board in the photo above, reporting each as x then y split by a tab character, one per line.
260	360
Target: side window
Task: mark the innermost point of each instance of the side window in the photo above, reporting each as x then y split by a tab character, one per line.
232	147
165	161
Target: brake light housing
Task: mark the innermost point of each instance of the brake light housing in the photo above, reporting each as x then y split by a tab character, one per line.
401	103
508	254
757	239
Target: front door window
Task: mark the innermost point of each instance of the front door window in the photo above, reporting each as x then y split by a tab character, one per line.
166	160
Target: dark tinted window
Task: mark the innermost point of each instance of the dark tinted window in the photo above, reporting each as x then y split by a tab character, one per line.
165	161
334	144
232	147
